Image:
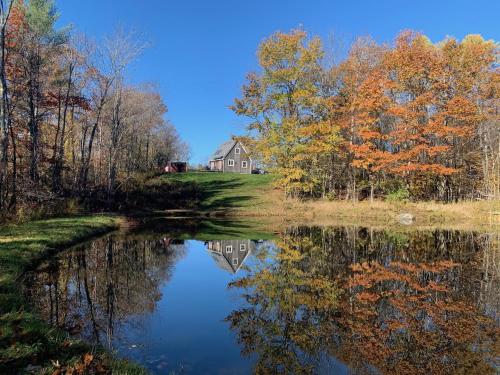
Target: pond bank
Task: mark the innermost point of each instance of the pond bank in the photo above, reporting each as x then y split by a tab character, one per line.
27	343
254	196
463	215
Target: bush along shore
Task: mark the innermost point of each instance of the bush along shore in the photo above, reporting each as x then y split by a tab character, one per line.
27	344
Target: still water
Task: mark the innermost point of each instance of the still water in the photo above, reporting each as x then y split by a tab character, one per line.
311	300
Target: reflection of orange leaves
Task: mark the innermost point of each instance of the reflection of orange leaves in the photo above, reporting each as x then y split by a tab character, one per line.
356	267
437	287
395	325
359	280
365	266
367	297
409	267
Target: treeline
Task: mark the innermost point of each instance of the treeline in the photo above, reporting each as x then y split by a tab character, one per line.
412	120
71	125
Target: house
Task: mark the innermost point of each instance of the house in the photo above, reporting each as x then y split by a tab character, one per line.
176	167
231	157
230	254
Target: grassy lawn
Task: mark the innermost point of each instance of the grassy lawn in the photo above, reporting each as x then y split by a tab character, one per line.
25	340
208	191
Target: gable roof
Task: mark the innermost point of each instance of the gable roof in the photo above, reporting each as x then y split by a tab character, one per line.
222	261
223	150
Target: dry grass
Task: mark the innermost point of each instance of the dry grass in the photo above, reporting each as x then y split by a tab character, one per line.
463	215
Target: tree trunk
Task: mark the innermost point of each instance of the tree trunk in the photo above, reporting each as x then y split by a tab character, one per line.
59	161
372	187
5	120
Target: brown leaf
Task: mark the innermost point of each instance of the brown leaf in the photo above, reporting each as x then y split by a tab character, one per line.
87	359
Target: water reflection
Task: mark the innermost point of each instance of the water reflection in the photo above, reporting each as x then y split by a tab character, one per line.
91	289
376	302
230	254
315	300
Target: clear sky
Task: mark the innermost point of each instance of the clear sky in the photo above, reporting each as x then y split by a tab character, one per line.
201	50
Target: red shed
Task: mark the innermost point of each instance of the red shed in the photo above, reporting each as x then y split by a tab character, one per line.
176	167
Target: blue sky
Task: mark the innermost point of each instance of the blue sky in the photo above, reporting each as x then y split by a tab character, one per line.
201	50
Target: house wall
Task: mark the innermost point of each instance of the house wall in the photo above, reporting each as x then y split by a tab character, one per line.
238	161
216	165
237	253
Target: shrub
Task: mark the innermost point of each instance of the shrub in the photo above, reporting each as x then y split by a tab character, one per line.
400	195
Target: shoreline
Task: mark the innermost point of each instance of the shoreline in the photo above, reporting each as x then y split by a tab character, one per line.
26	341
462	215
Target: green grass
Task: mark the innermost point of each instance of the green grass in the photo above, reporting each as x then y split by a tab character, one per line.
206	229
209	191
21	245
24	338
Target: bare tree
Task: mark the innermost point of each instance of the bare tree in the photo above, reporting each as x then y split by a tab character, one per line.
5	120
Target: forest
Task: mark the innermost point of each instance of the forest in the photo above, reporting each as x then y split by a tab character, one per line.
411	120
73	129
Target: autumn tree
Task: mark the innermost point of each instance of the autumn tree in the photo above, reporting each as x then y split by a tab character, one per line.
288	115
357	116
5	116
71	124
416	117
40	43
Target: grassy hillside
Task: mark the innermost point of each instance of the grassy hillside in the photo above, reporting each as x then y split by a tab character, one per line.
207	191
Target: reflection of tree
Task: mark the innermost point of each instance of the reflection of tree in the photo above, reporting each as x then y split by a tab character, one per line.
409	320
91	288
408	303
285	303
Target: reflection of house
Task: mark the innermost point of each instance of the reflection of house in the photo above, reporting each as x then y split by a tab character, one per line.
230	254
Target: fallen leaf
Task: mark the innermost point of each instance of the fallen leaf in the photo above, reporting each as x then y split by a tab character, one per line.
87	359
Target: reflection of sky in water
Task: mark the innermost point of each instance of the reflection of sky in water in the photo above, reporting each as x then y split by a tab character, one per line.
186	331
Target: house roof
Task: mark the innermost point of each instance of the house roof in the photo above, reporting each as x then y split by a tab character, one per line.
226	264
223	150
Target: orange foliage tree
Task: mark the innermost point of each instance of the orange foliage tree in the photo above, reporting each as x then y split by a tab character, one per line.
416	116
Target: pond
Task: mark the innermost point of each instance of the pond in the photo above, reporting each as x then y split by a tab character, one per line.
309	300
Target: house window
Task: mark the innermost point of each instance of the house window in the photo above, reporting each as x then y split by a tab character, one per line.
244	164
243	247
235	261
229	249
237	151
230	162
